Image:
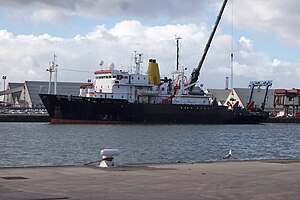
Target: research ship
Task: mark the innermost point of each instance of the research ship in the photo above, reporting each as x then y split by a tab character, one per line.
116	96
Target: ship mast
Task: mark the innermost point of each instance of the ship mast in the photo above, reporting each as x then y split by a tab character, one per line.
177	52
52	68
181	76
138	59
196	71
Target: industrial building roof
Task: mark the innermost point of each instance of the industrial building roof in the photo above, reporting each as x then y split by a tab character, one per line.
220	94
12	88
35	88
258	96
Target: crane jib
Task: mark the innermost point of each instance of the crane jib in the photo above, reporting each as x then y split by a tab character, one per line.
196	71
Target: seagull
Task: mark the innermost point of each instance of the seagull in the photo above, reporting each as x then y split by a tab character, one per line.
228	155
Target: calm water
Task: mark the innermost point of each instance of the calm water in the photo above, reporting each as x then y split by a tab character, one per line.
44	144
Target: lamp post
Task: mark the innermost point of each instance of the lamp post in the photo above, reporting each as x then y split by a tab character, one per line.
4	78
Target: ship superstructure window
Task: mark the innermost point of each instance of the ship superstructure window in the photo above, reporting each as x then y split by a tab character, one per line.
104	77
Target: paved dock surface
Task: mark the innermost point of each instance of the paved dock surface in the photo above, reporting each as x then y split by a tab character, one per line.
216	180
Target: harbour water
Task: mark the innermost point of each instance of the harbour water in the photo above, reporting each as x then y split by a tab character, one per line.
44	144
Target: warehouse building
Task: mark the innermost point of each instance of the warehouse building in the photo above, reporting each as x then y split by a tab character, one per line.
241	95
27	94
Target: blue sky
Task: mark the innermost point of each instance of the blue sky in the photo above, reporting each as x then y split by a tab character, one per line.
82	32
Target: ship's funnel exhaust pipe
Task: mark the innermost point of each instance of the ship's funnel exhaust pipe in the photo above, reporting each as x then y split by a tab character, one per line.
153	72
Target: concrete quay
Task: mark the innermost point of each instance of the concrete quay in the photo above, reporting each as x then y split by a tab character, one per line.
269	179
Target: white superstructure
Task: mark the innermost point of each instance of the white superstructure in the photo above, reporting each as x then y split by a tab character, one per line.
141	88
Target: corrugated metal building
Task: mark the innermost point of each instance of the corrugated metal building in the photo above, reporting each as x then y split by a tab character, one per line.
26	94
13	92
241	95
220	94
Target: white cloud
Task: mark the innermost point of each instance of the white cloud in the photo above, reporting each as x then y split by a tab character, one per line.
276	63
127	28
277	17
46	15
5	35
247	43
274	17
25	57
146	9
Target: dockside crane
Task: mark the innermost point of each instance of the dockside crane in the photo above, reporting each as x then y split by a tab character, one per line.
258	84
196	71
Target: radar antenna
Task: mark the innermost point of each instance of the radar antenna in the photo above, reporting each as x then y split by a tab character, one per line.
101	62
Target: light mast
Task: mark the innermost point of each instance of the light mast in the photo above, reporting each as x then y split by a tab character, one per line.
177	52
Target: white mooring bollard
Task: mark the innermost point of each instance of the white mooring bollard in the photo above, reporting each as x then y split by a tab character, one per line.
107	156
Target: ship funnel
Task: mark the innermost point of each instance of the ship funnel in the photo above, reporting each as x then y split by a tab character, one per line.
153	72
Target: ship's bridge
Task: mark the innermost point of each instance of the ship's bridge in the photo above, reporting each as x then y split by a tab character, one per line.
119	85
105	79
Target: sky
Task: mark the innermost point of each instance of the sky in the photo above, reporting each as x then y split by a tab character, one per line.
262	34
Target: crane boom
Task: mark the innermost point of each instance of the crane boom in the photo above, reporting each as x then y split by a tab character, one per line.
196	71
